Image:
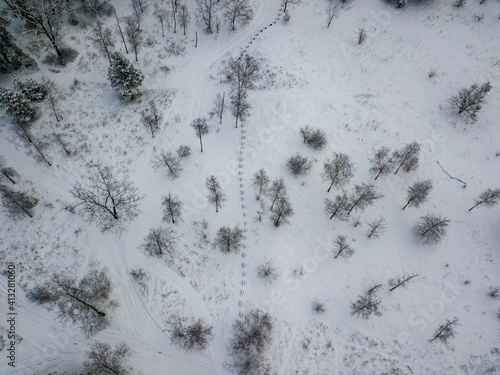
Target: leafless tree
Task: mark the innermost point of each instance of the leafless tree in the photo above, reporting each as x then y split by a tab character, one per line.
299	164
243	73
339	207
402	280
215	194
120	31
238	12
469	101
260	182
183	151
218	109
103	39
151	118
489	198
361	36
268	272
364	196
134	35
376	228
7	172
382	162
445	331
407	157
342	248
17	203
107	200
338	170
366	306
169	160
103	359
229	240
62	143
240	107
417	193
172	207
291	2
184	17
160	242
136	7
431	229
54	96
173	13
373	289
314	138
206	13
277	191
86	302
161	14
282	211
332	11
200	126
193	336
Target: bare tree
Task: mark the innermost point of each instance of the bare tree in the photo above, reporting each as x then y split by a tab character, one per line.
107	200
86	302
160	242
361	36
342	248
206	13
314	138
17	203
103	39
376	228
7	172
469	101
339	207
277	191
200	126
364	196
260	182
281	211
136	7
292	2
402	280
229	240
431	229
183	151
445	331
382	162
366	306
62	143
332	11
407	157
373	289
193	336
54	96
268	272
151	118
134	35
169	160
161	13
338	170
215	194
218	109
103	359
417	193
298	164
240	107
489	198
120	31
172	207
238	12
184	17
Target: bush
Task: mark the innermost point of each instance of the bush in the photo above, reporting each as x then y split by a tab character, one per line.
268	272
193	336
314	138
183	151
319	306
298	164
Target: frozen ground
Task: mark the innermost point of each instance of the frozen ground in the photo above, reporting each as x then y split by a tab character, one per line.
363	97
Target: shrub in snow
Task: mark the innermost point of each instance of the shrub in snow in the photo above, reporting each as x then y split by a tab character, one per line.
123	77
366	306
183	151
445	331
103	359
314	138
494	292
298	164
318	306
193	336
268	272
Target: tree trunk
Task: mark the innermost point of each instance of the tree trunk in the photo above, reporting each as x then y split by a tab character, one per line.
121	33
222	107
162	28
41	153
10	178
477	204
159	246
330	186
201	144
100	313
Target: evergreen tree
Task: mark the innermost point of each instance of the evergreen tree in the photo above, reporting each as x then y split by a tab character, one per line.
18	106
123	76
11	56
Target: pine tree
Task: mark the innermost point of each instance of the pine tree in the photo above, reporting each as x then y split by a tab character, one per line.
123	77
18	106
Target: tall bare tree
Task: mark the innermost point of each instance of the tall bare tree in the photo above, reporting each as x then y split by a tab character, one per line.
54	96
201	129
172	207
103	38
339	207
291	2
382	162
151	118
260	182
364	196
161	13
417	193
431	229
338	170
215	194
207	10
134	35
160	242
489	198
407	157
238	12
229	240
184	17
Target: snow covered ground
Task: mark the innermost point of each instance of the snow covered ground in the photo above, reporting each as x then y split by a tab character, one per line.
364	97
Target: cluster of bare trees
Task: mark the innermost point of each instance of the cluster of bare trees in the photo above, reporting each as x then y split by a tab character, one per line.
190	335
383	161
341	207
210	13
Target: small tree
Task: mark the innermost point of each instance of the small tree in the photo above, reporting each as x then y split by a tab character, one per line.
260	182
489	198
123	77
120	31
376	228
215	194
86	302
229	240
183	151
338	170
299	164
103	39
193	336
431	229
332	11
342	248
281	212
417	193
240	107
161	14
445	331
184	17
277	191
172	208
169	160
151	118
366	306
54	96
364	196
134	35
160	242
207	10
407	157
218	109
201	129
103	359
314	138
402	280
382	162
339	207
268	272
106	200
469	101
238	12
17	203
